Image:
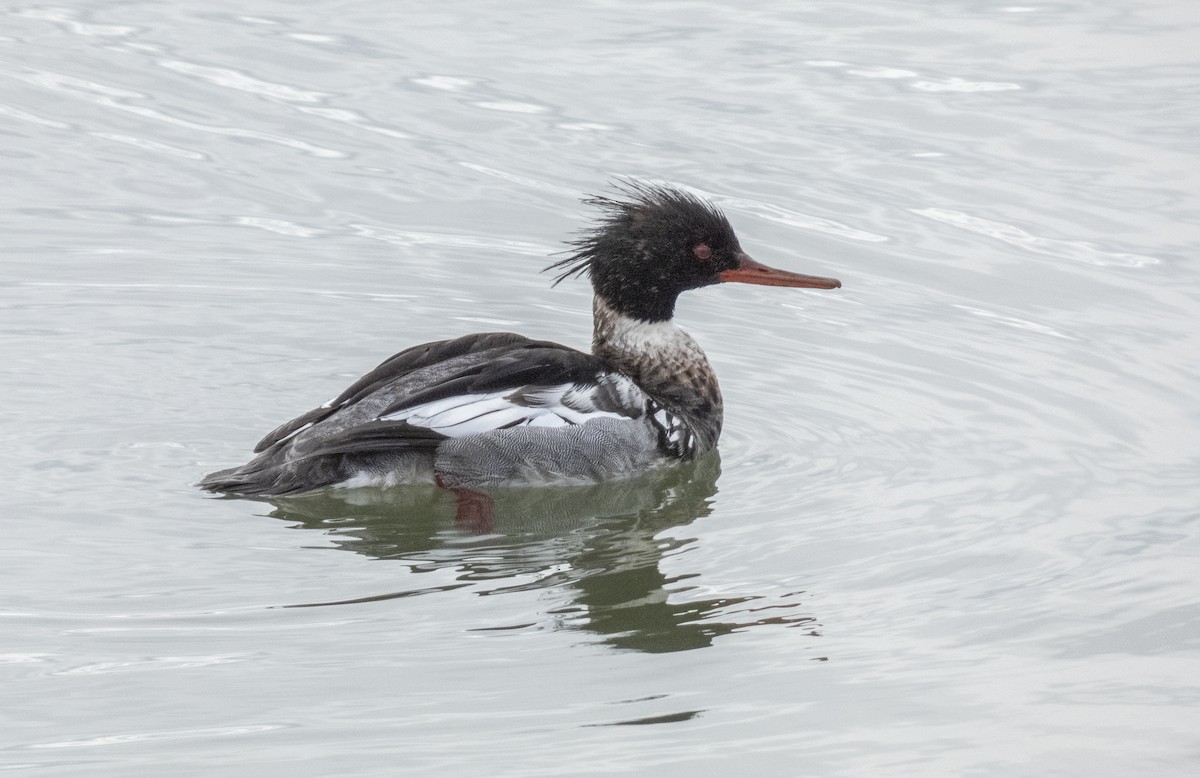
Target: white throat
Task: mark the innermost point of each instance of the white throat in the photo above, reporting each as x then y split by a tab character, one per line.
616	335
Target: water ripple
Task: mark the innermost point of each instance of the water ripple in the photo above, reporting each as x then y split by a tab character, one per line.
232	79
1078	251
69	21
112	97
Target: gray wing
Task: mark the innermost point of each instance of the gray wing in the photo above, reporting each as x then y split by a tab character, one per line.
483	406
394	369
458	388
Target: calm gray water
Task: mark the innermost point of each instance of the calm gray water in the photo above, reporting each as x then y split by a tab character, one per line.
953	528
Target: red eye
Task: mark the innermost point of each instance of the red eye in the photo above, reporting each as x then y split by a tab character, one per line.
702	251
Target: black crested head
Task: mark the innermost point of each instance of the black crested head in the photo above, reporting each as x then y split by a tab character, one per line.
650	243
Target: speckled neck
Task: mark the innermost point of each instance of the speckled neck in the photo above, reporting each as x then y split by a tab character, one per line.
667	364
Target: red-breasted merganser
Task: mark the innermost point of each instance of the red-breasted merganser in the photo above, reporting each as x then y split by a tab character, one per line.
497	409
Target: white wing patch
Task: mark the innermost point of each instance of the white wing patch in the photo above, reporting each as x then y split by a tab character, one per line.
552	406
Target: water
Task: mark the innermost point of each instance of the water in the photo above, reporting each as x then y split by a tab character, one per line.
952	529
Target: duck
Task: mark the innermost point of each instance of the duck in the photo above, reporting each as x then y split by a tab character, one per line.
499	409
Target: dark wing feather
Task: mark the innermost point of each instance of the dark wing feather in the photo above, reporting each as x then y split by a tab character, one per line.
375	437
398	366
291	427
535	364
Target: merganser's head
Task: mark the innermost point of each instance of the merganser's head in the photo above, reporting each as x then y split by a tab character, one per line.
659	241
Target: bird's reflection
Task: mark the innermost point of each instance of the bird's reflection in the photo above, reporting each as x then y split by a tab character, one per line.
602	544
